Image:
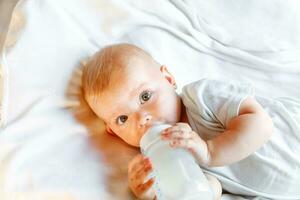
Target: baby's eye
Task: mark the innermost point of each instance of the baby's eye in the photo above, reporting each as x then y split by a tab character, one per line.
145	96
122	119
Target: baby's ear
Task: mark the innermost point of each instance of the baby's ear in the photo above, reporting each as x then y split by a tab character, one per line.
110	131
170	78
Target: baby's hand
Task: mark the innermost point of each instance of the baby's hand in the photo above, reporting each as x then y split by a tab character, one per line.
138	170
181	135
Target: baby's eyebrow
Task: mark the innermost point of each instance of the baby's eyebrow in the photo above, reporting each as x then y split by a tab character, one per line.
133	92
114	115
110	113
115	110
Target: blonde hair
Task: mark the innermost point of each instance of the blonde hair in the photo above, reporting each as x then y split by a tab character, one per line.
101	69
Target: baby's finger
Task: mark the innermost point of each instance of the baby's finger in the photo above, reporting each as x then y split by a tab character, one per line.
172	128
191	146
135	160
177	134
178	127
142	188
184	125
142	174
183	143
139	164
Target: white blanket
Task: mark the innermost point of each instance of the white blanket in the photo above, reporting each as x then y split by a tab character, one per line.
45	147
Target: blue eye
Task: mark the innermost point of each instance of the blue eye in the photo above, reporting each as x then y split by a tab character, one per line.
145	96
122	119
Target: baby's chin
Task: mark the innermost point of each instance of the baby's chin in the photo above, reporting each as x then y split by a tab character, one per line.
133	143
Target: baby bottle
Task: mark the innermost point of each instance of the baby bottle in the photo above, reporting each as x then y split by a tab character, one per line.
176	173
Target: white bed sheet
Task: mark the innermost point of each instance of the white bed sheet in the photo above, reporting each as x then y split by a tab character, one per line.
45	142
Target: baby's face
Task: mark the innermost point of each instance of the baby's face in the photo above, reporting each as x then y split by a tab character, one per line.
141	97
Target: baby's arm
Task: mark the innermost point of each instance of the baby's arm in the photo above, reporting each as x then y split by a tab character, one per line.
245	134
215	185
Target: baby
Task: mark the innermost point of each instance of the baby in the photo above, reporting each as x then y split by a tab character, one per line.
222	124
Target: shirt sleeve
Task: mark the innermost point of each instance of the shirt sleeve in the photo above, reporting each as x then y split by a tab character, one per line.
215	102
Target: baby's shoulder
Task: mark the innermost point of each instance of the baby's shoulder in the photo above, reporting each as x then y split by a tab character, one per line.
209	86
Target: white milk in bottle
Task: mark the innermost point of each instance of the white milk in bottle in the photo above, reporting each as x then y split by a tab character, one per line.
176	173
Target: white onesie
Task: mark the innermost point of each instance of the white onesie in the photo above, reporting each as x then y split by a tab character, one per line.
273	171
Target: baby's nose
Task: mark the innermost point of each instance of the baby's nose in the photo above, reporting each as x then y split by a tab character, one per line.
145	119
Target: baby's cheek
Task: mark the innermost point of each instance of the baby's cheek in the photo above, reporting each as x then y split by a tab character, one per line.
168	114
132	141
166	106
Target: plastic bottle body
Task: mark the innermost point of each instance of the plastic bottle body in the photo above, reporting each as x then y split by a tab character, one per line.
177	175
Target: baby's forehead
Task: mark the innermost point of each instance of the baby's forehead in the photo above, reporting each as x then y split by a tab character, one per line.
119	97
109	108
132	75
103	108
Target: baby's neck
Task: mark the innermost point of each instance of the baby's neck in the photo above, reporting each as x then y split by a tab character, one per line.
183	115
